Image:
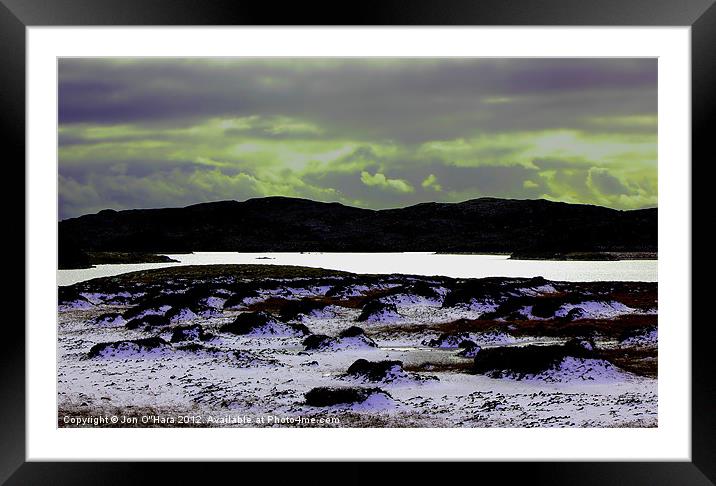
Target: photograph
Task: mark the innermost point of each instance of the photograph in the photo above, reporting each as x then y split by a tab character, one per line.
357	242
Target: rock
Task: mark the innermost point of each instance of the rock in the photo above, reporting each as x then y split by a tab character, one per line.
143	310
177	306
129	348
579	345
215	302
109	319
575	314
300	329
545	307
188	333
263	323
296	308
150	320
352	331
640	337
385	371
201	350
520	306
194	347
319	342
470	352
180	314
376	311
241	293
491	289
328	396
417	292
469	349
525	360
447	340
69	297
336	290
354	336
118	299
246	322
422	289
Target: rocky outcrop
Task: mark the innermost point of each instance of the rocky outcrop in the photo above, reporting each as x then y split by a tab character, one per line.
109	319
189	333
263	323
640	337
319	342
240	292
295	309
148	321
488	290
353	337
328	396
129	348
71	298
379	371
447	340
377	311
528	360
468	349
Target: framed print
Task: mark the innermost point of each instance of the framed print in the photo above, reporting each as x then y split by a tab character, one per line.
430	234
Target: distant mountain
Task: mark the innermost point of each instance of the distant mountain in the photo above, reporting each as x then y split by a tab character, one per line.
288	224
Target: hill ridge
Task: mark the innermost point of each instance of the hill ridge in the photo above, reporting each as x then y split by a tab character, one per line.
281	223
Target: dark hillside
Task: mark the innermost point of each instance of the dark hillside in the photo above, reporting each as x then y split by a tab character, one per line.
286	224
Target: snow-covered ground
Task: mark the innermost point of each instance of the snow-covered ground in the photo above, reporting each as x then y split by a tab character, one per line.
173	373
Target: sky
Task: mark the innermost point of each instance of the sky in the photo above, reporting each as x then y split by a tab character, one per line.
374	133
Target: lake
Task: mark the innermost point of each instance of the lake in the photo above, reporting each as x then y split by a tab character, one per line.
461	266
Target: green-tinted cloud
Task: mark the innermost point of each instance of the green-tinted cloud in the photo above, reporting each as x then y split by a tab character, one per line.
373	133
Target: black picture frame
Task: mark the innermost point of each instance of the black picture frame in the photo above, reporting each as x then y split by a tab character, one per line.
16	15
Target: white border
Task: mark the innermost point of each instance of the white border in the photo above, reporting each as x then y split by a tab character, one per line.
670	441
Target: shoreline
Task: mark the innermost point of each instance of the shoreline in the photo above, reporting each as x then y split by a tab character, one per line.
91	259
588	256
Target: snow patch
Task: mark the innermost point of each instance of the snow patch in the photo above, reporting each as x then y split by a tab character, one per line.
537	291
384	315
183	314
131	349
648	338
597	309
480	307
273	328
405	300
76	304
213	302
578	369
94	297
110	320
376	401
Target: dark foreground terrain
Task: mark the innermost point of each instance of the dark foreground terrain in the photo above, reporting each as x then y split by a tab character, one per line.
255	345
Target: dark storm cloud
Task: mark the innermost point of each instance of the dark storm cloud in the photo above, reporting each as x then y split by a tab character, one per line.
83	172
606	183
422	100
